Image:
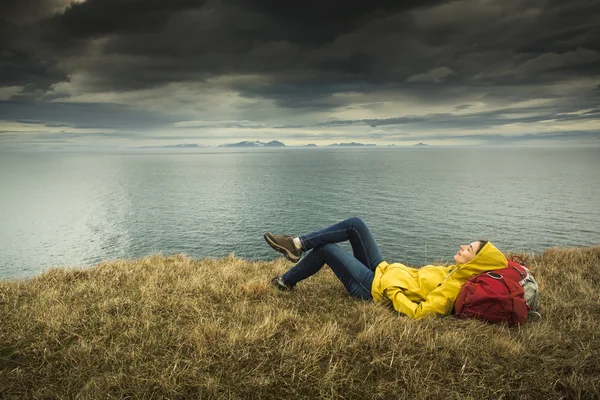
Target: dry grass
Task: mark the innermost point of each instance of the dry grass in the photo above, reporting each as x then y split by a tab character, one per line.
175	327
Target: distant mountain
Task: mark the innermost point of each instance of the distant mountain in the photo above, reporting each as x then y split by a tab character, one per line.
310	145
420	144
274	143
256	143
351	144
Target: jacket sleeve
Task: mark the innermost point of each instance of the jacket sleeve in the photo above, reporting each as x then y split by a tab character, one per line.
437	303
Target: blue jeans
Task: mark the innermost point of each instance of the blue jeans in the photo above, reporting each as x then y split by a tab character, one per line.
355	271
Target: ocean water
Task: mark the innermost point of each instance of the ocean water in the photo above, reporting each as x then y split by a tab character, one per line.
77	209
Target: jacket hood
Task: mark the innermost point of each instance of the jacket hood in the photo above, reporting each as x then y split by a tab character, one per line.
489	258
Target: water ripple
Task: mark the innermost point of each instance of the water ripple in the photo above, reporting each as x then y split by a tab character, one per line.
79	209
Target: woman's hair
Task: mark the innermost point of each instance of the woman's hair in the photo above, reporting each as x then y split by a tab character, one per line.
482	243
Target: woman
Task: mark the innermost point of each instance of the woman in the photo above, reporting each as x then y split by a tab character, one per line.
425	292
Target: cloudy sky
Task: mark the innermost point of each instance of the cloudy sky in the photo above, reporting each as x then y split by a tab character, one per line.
126	73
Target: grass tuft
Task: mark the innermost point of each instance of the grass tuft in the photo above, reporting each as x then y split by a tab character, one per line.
176	327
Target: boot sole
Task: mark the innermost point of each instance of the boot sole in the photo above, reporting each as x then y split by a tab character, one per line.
287	254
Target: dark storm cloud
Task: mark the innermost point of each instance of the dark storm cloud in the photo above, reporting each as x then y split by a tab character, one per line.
307	51
463	107
32	48
317	22
81	115
16	12
46	124
165	40
103	17
312	42
162	41
474	120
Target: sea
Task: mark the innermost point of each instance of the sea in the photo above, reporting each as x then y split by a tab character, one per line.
80	208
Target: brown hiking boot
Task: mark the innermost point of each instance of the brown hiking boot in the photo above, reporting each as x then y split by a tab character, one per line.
284	245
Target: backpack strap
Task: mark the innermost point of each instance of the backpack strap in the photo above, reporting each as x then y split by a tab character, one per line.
518	263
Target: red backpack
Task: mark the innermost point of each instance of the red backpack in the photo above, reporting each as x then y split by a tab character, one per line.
505	295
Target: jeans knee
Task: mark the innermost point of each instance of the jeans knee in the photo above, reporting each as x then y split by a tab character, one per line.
357	222
324	250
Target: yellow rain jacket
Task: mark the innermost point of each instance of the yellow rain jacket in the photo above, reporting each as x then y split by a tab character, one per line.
431	290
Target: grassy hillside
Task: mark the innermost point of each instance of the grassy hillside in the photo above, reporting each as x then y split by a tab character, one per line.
176	327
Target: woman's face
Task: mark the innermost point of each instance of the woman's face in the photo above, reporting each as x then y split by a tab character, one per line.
467	252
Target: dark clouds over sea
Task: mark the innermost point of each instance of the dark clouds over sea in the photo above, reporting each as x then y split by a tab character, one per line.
466	70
